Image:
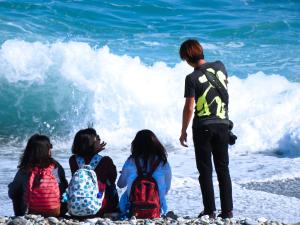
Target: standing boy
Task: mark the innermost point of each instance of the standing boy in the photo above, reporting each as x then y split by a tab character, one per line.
210	126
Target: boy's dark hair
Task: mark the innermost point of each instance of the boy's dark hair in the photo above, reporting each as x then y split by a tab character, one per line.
191	51
36	153
84	142
146	145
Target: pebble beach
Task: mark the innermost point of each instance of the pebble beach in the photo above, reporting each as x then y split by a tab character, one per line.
169	220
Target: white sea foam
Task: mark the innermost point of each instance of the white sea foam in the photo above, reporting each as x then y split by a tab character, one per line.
235	44
126	95
210	46
151	43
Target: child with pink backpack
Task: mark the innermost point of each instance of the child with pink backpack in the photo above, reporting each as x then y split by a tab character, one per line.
40	181
147	175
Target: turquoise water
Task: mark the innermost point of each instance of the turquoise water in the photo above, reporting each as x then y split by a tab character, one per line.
64	64
249	35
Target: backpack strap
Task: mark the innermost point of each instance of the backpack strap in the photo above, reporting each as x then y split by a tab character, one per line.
214	81
218	85
140	170
138	167
93	163
80	161
154	167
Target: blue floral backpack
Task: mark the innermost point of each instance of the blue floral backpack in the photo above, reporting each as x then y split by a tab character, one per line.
84	198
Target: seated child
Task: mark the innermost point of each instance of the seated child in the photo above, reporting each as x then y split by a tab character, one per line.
86	147
39	182
148	160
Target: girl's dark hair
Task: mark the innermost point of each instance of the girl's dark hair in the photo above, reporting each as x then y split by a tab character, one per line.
191	51
36	153
84	142
146	145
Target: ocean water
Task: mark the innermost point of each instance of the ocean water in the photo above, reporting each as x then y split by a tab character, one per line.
115	64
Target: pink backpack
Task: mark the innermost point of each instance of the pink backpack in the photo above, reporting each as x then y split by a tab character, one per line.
43	194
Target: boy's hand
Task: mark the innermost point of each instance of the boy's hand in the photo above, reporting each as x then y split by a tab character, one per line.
182	139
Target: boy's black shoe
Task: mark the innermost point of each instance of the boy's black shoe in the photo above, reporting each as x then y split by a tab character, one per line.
211	215
226	215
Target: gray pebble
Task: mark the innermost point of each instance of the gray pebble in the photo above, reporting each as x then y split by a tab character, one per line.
71	222
101	223
3	219
171	215
31	216
19	221
53	220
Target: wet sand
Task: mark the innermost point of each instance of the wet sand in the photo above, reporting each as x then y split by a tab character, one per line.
287	187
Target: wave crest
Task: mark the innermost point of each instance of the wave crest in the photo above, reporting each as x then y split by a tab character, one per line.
67	85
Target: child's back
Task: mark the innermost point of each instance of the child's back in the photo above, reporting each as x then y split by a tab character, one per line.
162	176
147	157
106	173
39	182
86	145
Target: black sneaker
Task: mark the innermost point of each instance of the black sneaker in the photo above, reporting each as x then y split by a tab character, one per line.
226	215
211	215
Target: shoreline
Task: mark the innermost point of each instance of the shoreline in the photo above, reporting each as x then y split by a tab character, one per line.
168	220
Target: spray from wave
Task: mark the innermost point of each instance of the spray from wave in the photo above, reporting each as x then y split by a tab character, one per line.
58	88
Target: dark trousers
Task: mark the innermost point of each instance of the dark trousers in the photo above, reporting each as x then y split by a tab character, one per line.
213	140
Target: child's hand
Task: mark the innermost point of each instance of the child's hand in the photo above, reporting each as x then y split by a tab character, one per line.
100	146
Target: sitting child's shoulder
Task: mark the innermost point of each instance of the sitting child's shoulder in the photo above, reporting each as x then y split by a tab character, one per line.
106	160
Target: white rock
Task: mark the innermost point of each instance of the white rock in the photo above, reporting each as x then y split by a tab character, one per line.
250	221
92	221
219	221
205	219
31	216
150	222
233	221
53	220
133	220
227	221
262	220
180	219
3	219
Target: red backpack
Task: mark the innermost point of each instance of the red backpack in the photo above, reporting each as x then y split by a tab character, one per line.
144	195
43	194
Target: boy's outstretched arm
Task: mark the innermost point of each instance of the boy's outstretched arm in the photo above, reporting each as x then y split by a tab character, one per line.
186	118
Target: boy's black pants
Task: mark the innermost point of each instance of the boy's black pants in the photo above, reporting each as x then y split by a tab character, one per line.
213	140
